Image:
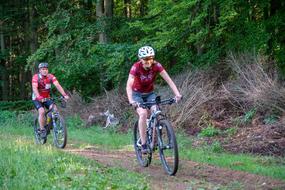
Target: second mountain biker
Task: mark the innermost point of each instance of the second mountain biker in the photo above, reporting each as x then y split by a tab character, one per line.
41	84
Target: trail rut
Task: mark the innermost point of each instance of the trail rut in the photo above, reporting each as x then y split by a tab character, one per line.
190	175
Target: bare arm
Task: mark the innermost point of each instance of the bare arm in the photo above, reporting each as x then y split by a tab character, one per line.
60	89
169	81
129	90
35	89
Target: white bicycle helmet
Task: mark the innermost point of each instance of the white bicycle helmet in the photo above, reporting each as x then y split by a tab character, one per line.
145	51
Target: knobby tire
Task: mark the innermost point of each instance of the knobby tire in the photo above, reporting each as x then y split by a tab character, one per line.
59	132
167	145
38	138
143	159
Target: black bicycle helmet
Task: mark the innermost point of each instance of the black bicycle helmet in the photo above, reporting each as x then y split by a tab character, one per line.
43	65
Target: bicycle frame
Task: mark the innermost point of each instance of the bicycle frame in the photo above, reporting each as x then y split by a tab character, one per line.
152	123
56	123
53	114
166	141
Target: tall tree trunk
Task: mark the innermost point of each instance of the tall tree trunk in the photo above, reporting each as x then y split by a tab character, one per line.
22	82
100	20
8	65
127	8
33	34
143	7
3	69
108	7
104	9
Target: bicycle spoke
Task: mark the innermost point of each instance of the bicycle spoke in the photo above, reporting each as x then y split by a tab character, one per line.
38	138
143	159
59	132
167	147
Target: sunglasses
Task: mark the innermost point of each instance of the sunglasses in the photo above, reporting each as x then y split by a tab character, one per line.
148	58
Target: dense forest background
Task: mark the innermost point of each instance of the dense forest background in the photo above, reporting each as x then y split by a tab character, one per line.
91	44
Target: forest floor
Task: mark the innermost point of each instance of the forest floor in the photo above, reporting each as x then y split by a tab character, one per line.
190	175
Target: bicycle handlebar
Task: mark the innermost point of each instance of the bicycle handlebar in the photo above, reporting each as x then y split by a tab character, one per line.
61	99
157	101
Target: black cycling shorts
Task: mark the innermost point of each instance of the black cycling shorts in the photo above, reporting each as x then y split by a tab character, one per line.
45	104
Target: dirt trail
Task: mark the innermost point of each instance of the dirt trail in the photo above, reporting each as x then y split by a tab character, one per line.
191	175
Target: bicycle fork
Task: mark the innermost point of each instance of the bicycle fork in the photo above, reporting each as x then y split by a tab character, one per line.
163	145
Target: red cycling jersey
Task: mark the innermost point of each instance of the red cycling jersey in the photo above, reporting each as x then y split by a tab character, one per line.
43	84
144	79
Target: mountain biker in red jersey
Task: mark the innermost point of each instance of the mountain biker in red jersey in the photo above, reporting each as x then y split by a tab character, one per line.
41	85
140	86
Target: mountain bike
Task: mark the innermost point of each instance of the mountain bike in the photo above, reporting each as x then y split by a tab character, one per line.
54	123
164	138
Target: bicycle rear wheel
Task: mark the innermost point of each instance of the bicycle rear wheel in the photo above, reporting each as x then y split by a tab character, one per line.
143	159
59	132
38	138
167	145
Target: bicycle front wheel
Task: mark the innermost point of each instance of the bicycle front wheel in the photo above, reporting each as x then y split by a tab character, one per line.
59	132
167	145
38	137
143	159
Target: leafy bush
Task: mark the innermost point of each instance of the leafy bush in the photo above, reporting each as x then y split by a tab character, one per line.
270	119
248	116
185	34
231	131
7	116
74	122
19	105
216	147
209	131
16	118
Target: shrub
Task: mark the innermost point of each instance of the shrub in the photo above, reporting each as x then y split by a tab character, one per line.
210	131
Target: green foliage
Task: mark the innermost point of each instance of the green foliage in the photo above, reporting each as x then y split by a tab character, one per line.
186	34
16	117
216	147
231	131
19	105
271	119
209	131
74	122
7	116
248	116
76	58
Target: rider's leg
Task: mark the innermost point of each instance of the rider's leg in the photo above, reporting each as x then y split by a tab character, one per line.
142	124
41	118
49	104
54	107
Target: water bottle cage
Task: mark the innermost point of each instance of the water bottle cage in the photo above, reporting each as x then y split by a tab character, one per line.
55	114
48	120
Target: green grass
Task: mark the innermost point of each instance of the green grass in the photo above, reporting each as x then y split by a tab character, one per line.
261	165
266	166
109	139
104	138
24	165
